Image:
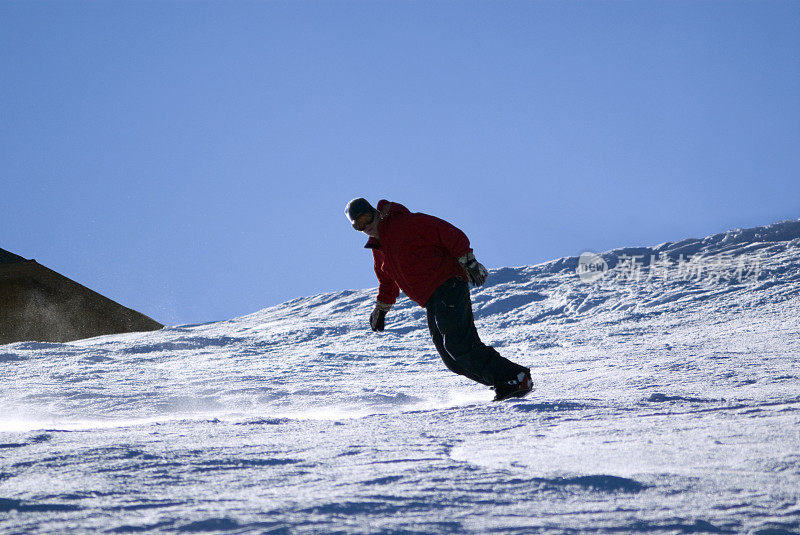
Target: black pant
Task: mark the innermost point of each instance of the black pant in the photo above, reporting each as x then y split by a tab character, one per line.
452	327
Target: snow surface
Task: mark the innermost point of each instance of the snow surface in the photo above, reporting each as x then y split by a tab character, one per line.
664	404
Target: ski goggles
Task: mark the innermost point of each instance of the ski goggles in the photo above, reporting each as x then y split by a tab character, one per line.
363	221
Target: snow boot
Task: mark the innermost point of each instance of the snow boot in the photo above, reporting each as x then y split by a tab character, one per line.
519	386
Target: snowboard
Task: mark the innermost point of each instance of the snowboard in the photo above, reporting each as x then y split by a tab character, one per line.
513	395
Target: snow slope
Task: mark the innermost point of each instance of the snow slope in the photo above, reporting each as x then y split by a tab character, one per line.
667	401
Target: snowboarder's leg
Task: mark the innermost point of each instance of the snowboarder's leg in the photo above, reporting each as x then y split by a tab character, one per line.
450	315
448	360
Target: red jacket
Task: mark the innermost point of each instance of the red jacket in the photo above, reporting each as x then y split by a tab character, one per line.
415	253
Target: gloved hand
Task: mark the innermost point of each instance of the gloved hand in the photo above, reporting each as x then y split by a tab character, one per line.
377	318
476	273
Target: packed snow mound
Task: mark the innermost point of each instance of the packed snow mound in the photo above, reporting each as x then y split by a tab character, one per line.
741	267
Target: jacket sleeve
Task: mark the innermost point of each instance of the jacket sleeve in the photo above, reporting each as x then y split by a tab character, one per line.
388	289
446	235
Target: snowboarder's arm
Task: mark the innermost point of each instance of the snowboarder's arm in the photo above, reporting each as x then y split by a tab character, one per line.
388	290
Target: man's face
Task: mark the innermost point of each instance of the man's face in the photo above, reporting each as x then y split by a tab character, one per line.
371	229
367	223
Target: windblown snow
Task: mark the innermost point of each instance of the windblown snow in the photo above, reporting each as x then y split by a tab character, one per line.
667	400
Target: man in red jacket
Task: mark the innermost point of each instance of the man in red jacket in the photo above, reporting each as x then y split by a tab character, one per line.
430	260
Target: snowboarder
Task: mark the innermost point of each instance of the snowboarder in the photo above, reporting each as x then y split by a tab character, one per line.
431	261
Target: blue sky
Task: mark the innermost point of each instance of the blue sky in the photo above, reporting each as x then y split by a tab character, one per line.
192	160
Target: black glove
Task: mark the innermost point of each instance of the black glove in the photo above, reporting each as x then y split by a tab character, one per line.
476	273
378	316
